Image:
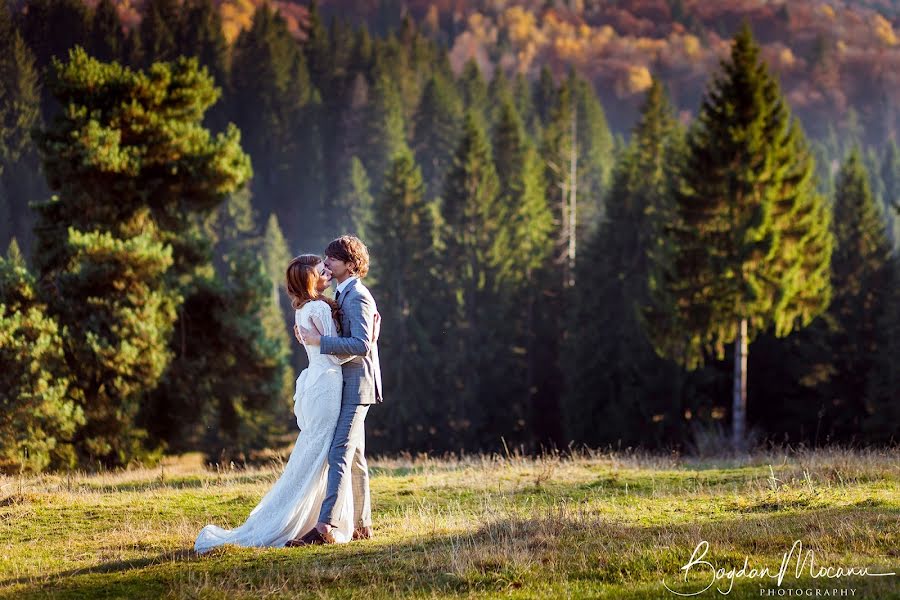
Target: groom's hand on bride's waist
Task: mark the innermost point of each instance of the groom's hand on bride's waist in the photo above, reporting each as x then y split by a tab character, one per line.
310	336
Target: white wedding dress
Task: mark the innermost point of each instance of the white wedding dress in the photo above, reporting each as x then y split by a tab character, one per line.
291	508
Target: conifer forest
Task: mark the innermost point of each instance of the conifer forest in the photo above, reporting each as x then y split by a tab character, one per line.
672	225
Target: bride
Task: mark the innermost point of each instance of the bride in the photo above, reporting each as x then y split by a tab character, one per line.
291	508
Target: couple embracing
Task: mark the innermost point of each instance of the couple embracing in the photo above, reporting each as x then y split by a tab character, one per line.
322	497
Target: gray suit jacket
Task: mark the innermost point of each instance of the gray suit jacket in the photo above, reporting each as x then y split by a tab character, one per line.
359	337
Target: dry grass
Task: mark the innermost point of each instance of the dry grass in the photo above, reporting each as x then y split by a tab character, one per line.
586	524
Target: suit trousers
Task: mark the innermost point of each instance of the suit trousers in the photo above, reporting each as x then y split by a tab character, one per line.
347	457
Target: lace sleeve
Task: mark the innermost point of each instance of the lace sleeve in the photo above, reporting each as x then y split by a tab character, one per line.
324	322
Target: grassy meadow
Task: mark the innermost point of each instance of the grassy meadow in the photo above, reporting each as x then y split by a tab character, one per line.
586	525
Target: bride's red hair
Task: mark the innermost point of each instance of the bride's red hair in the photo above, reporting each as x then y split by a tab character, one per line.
301	279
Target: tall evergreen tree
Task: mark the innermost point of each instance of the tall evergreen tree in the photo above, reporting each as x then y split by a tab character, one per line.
521	247
437	131
470	210
159	30
881	422
405	240
271	87
474	90
861	274
116	245
107	37
578	153
618	383
39	417
890	177
20	96
356	200
525	103
386	131
545	95
200	35
51	28
752	243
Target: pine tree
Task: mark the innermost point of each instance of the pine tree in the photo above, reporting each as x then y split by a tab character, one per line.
107	38
200	35
160	28
545	95
386	134
525	103
499	91
578	152
405	240
474	90
881	422
890	177
861	278
121	231
251	331
272	96
437	131
751	246
275	258
51	28
39	418
470	210
618	382
356	200
521	247
20	178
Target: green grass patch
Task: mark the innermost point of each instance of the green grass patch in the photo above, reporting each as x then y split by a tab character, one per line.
585	526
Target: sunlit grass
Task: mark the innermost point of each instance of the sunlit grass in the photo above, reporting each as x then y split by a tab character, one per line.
607	525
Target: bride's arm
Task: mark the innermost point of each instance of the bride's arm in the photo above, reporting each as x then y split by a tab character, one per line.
324	325
361	315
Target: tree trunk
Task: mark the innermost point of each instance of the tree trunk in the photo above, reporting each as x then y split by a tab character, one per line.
573	197
739	401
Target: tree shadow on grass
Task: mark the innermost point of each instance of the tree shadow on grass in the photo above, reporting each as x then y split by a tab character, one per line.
551	554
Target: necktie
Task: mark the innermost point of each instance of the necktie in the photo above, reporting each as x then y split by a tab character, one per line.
337	296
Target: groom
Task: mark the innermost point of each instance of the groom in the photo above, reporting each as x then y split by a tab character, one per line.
348	260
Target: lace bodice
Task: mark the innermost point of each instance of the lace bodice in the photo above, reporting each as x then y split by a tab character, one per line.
317	315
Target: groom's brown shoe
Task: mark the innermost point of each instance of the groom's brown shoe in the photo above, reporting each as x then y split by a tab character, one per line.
312	538
362	533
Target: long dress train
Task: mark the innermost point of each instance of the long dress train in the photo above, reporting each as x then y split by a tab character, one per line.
291	507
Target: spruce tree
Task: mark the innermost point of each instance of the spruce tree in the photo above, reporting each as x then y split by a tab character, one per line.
617	380
20	97
275	256
471	213
890	178
751	245
272	94
881	422
51	28
474	90
200	35
405	240
437	131
577	150
545	95
522	245
861	276
107	38
386	130
159	30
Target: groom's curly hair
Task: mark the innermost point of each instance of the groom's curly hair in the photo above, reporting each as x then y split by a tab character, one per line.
351	250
